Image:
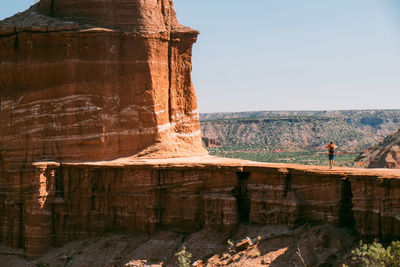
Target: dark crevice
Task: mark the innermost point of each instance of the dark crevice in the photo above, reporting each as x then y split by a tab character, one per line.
380	235
92	202
59	183
21	243
115	218
160	195
242	197
21	237
346	216
52	8
242	176
16	42
163	11
302	211
288	181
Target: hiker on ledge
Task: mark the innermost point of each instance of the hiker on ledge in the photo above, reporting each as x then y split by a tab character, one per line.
331	153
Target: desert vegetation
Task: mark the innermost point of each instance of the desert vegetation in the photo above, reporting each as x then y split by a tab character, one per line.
274	155
376	255
297	136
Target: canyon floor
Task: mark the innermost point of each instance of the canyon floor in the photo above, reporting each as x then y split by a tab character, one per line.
319	245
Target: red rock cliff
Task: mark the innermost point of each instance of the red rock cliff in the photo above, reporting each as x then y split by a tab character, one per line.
98	80
73	92
49	204
384	155
135	15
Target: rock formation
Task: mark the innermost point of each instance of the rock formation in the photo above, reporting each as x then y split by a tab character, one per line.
384	155
96	80
109	82
49	204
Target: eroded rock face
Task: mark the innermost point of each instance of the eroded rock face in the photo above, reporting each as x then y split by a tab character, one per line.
384	155
136	15
72	92
49	204
376	207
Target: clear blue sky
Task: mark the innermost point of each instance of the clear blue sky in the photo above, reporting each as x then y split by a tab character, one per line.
290	54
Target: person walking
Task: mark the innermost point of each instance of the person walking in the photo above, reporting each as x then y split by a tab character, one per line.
331	153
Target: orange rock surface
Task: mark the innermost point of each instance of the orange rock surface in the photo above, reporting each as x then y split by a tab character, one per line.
49	204
71	91
89	89
135	15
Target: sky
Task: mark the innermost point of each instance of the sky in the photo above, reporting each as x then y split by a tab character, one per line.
290	54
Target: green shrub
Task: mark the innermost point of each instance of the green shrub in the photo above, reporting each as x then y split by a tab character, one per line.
231	245
183	257
376	255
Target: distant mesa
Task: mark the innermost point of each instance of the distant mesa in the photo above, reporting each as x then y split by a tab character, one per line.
352	130
97	80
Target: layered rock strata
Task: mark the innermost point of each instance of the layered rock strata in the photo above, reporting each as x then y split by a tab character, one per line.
49	204
99	80
376	207
96	80
384	155
134	15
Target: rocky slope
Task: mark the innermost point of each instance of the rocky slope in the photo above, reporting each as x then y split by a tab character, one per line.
79	82
251	246
384	155
296	130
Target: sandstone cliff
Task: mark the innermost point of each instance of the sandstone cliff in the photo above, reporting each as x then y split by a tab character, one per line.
49	204
102	80
96	80
131	15
384	155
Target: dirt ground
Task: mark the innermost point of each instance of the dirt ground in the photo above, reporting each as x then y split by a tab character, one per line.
307	245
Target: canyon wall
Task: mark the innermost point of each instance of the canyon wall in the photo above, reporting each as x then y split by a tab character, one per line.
386	154
301	130
106	84
74	92
49	204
